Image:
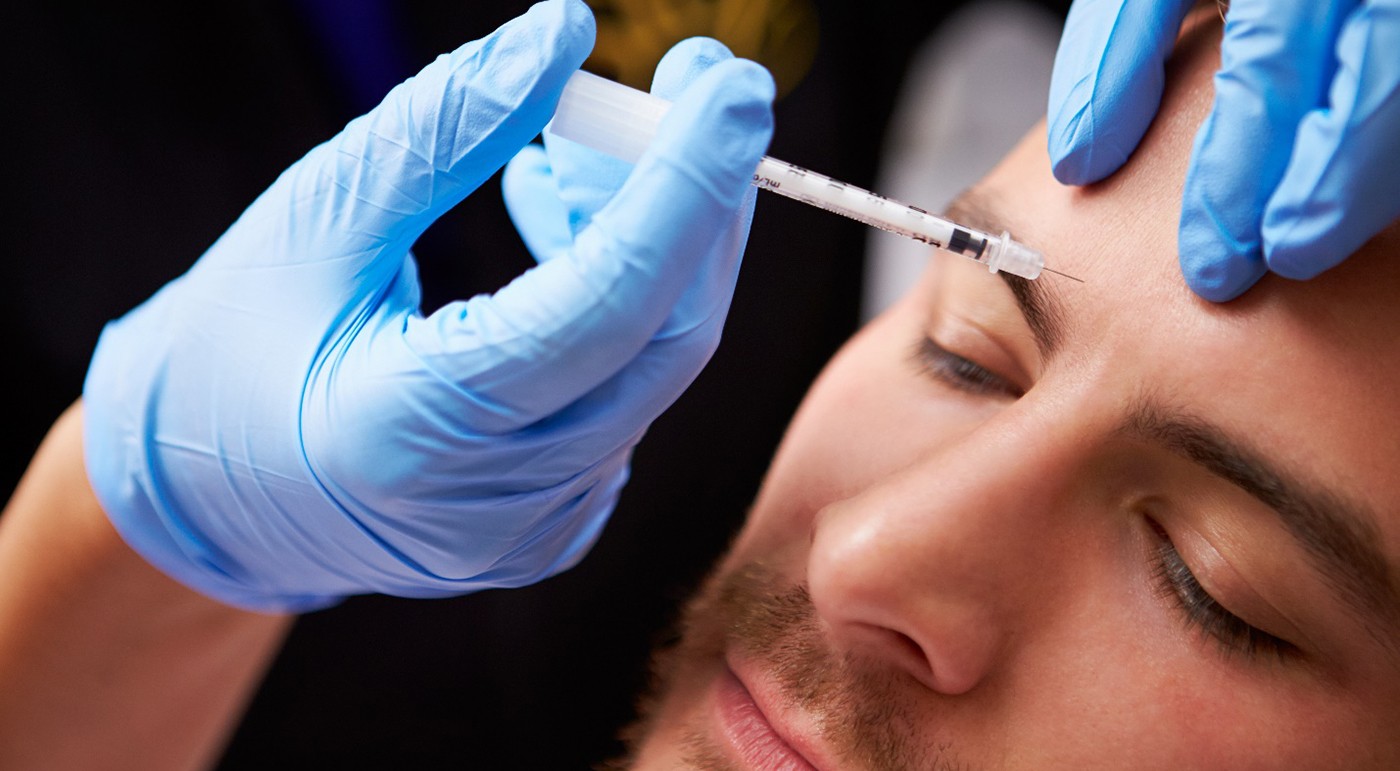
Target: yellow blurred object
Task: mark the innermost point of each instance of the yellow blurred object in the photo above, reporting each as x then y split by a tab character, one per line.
634	34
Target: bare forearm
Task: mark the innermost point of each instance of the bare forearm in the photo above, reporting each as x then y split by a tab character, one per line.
104	661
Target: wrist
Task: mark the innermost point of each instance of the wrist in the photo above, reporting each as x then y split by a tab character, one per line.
93	635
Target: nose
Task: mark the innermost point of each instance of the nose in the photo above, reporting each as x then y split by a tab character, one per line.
931	568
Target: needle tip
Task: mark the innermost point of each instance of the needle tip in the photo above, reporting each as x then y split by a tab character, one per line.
1066	275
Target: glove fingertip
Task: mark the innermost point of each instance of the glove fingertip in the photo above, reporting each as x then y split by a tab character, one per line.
1212	269
1301	242
753	88
730	116
1301	224
523	174
1067	136
1081	156
532	202
1301	264
1072	163
1106	84
1221	285
685	62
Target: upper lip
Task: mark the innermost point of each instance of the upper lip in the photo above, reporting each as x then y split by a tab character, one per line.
799	731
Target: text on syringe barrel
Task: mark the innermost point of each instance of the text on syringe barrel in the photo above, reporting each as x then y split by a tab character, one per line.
867	207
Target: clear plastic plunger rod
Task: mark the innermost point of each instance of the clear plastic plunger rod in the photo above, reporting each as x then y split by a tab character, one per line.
620	121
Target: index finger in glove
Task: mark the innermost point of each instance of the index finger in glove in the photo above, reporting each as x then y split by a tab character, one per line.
571	323
1107	83
376	186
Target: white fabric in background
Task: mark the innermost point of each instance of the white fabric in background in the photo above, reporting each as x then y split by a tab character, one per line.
970	94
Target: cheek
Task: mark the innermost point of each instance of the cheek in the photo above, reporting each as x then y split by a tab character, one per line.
870	414
1112	673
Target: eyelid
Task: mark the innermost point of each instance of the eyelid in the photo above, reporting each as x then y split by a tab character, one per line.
973	310
962	373
971	339
1218	576
1202	608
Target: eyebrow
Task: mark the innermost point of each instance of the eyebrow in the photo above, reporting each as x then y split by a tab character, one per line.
1339	536
1039	305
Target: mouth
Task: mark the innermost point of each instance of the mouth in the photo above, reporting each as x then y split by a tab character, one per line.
746	727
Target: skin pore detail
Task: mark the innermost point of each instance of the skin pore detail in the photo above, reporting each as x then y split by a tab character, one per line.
1056	525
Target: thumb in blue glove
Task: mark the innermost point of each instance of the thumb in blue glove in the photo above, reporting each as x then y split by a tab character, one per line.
1295	166
280	427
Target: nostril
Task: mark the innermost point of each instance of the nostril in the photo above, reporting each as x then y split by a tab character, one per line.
912	657
911	648
900	650
943	670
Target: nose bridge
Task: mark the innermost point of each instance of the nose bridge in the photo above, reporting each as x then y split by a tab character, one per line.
925	565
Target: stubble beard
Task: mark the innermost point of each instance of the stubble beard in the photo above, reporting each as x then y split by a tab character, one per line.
862	709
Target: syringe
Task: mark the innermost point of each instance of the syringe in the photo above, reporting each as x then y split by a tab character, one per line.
620	121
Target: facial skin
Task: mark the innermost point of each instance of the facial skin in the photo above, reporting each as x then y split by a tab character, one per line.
975	549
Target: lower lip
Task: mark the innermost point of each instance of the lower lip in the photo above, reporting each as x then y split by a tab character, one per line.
749	733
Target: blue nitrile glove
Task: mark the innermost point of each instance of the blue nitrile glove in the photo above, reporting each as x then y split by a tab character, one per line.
1297	164
280	427
553	193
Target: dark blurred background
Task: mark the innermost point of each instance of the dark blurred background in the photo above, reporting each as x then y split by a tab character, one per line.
137	132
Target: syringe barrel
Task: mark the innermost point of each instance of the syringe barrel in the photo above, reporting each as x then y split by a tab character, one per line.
862	205
620	121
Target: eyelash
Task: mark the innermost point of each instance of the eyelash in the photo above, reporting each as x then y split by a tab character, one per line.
960	373
1200	610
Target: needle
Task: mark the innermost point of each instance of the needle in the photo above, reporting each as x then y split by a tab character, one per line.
1066	274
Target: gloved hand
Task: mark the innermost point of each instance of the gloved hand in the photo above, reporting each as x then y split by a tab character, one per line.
1296	165
280	427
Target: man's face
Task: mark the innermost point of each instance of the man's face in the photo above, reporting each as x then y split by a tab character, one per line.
1097	525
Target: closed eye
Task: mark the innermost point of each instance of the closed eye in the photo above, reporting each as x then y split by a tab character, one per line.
1202	611
961	373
